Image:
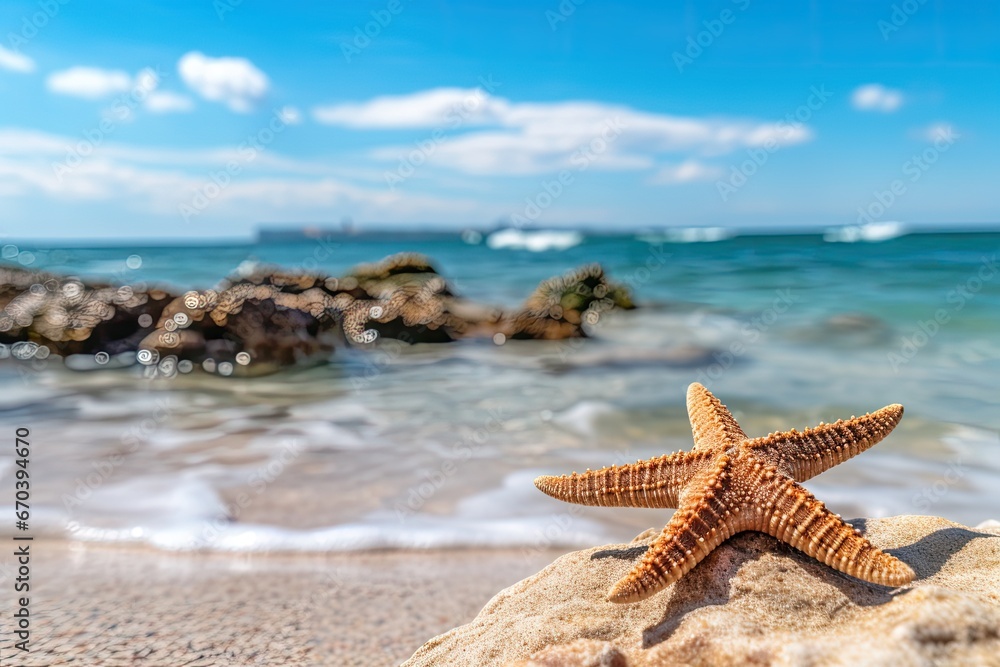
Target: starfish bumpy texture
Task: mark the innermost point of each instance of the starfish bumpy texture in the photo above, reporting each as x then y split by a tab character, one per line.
729	483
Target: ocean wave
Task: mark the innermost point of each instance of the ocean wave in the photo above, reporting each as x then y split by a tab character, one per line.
582	417
536	241
690	235
186	514
185	511
872	232
418	533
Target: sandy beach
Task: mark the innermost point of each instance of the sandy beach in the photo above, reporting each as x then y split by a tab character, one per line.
753	601
92	605
513	334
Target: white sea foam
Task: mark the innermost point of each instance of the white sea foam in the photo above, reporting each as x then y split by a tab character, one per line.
583	416
312	435
690	235
871	232
185	514
425	532
167	439
338	410
535	241
184	510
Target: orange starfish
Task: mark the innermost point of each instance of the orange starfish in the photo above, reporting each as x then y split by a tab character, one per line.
729	483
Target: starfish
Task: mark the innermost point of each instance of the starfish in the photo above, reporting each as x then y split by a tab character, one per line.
730	483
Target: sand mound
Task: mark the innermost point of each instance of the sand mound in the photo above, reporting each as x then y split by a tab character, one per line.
752	601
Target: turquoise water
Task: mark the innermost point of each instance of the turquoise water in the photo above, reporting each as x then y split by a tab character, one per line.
897	279
436	445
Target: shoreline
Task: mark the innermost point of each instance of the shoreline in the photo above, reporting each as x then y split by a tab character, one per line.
93	604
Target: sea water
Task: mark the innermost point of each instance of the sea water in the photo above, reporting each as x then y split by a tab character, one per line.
436	445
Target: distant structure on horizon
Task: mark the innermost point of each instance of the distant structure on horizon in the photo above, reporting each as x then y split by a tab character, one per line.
509	236
312	233
291	233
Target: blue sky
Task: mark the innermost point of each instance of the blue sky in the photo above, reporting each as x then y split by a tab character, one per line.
208	119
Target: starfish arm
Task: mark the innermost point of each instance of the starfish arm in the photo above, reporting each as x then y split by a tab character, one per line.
712	423
702	523
805	455
787	511
653	483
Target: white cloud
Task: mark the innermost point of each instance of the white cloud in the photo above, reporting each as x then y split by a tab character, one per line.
236	82
168	102
876	97
89	82
157	181
15	62
27	143
532	138
688	171
438	107
94	83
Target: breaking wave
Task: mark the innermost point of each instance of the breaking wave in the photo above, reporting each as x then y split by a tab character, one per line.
872	232
540	241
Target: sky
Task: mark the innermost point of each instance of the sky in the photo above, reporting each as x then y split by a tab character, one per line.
211	118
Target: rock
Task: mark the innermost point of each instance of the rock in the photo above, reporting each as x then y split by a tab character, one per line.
264	317
420	303
752	601
559	306
70	316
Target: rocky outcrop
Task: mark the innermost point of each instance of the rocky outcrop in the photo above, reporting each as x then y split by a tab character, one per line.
70	316
559	306
752	601
266	318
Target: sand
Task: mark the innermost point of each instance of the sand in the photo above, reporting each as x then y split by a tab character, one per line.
108	606
752	601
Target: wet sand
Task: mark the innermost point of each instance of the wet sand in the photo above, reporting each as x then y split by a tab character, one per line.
110	606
